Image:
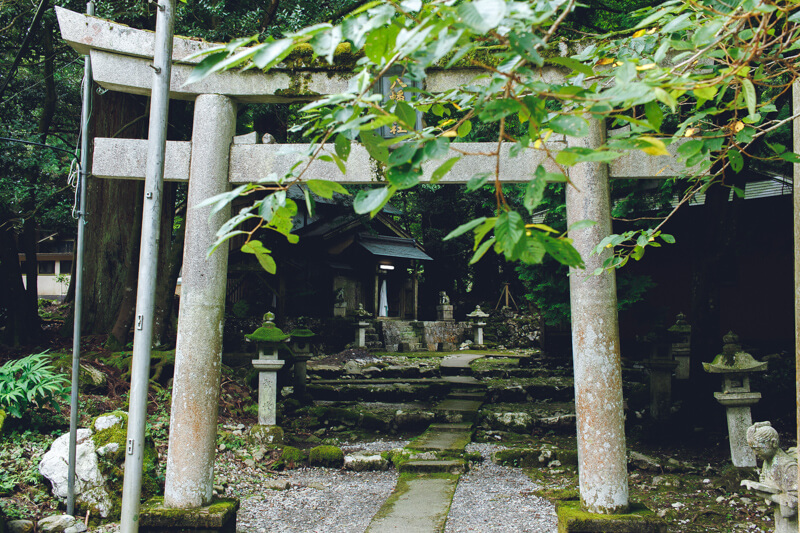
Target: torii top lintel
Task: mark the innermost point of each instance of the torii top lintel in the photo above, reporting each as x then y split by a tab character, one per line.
121	60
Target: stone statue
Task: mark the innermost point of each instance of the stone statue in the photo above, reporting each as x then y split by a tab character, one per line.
777	480
339	295
361	312
444	299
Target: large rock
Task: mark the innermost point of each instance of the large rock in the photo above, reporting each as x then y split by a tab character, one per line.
520	422
60	524
100	456
18	526
364	461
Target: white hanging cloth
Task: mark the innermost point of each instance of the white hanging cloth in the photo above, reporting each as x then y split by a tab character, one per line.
383	301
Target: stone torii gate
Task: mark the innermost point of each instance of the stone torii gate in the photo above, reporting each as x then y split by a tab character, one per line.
121	59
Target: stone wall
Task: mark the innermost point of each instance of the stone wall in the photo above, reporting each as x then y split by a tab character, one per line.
430	335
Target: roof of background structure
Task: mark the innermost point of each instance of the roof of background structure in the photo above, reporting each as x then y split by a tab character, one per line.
392	247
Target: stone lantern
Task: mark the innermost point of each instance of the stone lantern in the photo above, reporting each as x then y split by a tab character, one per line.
267	338
478	322
362	324
660	365
680	336
736	366
301	350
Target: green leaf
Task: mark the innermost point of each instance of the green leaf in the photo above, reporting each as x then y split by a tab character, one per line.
403	177
463	228
534	190
443	169
272	54
509	229
477	181
371	200
573	64
665	98
342	146
481	251
706	93
206	67
736	160
380	42
482	15
581	224
562	251
689	148
497	109
653	17
569	125
750	97
654	115
436	148
465	128
372	143
406	114
402	154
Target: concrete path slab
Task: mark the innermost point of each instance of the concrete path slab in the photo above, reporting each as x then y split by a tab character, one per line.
435	466
419	505
435	440
457	364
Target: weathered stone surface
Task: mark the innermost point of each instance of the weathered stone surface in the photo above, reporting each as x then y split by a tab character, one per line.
19	526
89	481
410	419
363	461
519	422
260	434
219	515
107	421
644	462
56	523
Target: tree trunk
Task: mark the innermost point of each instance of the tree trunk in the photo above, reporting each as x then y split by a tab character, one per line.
16	325
111	217
170	260
118	336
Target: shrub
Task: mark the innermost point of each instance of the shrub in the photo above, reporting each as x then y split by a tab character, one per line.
30	383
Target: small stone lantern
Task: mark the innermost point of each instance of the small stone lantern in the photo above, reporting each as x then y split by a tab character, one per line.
362	324
736	366
267	338
680	335
478	322
301	350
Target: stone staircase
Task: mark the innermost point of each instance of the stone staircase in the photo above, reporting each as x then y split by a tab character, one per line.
421	500
373	339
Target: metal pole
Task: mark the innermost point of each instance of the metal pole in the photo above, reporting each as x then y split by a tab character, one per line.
83	175
796	196
148	265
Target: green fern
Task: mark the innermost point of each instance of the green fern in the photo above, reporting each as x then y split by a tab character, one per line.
30	383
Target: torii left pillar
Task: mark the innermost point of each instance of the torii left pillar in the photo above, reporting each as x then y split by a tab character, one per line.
198	353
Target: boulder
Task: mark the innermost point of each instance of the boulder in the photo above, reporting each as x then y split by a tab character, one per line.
19	526
89	480
644	462
100	457
362	461
58	523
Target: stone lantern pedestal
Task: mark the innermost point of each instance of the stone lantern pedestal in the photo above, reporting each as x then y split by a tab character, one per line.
444	311
268	338
736	366
301	351
478	324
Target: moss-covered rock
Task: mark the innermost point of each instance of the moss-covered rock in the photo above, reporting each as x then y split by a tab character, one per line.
109	441
328	456
292	456
260	434
638	519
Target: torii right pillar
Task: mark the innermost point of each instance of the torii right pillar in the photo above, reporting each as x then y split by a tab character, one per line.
602	457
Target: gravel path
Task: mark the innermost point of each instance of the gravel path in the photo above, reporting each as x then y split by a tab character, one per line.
497	498
489	498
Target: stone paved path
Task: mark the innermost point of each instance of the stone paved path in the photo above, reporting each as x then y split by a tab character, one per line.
421	500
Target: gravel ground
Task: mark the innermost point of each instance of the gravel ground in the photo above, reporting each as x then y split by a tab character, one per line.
493	498
489	498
